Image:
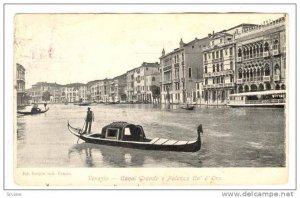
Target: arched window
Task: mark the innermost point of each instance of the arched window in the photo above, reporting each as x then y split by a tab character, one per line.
277	87
266	47
231	65
261	87
218	68
240	73
268	86
277	69
261	48
275	45
214	69
246	88
240	89
239	52
267	70
253	87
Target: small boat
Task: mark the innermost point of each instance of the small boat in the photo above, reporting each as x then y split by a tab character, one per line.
84	104
188	107
32	113
128	135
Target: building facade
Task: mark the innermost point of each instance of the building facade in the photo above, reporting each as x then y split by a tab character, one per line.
180	70
117	88
140	75
261	57
46	92
130	97
219	65
21	95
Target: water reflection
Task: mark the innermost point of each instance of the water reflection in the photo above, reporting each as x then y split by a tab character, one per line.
113	156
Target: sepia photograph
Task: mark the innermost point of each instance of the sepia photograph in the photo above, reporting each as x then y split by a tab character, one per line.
151	99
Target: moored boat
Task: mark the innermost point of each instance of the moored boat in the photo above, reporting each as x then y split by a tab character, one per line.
32	113
84	104
188	108
128	135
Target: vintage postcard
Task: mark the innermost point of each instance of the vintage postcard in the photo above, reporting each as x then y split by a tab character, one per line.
151	99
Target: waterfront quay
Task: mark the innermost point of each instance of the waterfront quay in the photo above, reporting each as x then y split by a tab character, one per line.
233	137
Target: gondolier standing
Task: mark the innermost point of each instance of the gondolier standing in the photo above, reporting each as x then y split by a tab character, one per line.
88	120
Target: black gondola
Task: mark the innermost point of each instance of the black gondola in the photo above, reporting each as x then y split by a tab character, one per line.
188	108
128	135
32	113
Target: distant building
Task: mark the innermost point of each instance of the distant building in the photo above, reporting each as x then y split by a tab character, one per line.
139	83
43	91
180	70
261	57
21	95
129	89
117	88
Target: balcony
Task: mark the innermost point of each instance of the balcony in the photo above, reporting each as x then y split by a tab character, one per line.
275	52
266	54
205	75
176	79
276	77
239	81
167	68
239	59
167	82
176	65
222	73
266	78
218	60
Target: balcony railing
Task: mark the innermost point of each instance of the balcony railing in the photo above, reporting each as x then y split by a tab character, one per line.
220	85
182	62
167	81
218	60
266	78
167	67
266	54
276	77
239	81
275	52
176	65
220	73
176	79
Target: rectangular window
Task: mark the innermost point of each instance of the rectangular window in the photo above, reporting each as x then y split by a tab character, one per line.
190	72
112	133
230	51
205	57
213	55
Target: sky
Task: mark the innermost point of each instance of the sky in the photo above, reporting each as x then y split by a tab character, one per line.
69	48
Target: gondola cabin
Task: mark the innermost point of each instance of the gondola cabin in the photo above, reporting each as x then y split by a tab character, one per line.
123	131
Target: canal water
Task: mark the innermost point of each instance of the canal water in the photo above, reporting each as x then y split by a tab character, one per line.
233	137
